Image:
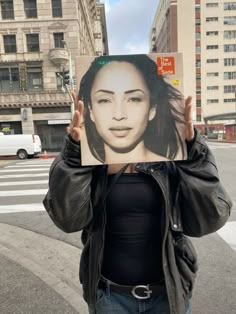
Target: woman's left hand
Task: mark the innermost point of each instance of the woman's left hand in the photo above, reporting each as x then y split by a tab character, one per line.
189	130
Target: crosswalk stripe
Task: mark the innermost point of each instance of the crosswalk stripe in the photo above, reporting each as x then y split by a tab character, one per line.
4	209
10	183
228	233
7	176
23	192
20	170
27	166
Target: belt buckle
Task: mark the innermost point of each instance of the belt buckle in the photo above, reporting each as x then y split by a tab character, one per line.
145	289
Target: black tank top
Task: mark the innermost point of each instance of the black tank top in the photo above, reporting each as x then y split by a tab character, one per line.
132	253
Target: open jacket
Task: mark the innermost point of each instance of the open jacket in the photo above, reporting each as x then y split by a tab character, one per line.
194	204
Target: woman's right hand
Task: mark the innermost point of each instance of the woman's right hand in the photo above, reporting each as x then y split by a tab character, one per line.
75	129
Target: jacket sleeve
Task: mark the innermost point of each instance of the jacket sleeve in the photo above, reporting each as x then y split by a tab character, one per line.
203	202
68	199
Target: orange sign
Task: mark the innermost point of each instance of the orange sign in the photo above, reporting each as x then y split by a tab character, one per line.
165	65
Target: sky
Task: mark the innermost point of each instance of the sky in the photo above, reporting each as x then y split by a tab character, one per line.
129	24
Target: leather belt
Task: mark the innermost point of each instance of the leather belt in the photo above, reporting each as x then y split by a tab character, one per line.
141	292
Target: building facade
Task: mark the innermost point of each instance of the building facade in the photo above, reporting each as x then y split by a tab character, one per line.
205	32
39	40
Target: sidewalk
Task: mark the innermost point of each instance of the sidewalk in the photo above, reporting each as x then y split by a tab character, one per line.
38	274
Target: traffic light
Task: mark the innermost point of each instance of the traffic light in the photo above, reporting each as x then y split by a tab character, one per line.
66	77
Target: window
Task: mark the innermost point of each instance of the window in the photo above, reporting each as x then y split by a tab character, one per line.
212	5
212	87
7	10
229	75
198	63
230	20
212	19
9	79
212	33
34	78
56	8
198	90
230	100
9	43
230	6
212	47
199	103
58	40
212	101
230	34
32	42
229	61
198	49
30	7
211	74
212	60
197	36
199	117
229	89
230	48
197	21
198	76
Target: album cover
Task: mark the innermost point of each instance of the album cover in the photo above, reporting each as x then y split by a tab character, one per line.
133	108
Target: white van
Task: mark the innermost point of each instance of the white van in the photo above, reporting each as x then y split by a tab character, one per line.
21	145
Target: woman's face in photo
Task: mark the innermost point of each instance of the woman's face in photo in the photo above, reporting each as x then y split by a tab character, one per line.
120	105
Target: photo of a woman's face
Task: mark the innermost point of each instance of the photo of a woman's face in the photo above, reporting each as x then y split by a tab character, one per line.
120	105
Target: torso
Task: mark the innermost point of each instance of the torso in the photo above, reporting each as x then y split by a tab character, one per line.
132	252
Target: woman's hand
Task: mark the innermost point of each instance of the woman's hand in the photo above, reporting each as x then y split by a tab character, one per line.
75	129
189	130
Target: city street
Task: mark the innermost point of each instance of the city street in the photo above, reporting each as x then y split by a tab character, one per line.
45	261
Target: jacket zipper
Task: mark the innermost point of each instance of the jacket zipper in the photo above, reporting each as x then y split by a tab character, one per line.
166	229
102	240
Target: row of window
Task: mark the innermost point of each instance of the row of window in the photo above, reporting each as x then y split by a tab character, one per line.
25	77
228	20
227	89
227	34
227	61
32	42
227	48
216	101
30	9
227	5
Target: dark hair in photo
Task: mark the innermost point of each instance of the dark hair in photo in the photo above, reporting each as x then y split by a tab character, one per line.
161	136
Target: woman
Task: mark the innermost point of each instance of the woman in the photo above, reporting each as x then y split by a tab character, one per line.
130	115
136	257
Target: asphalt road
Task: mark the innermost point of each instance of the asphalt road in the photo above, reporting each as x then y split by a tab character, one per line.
215	288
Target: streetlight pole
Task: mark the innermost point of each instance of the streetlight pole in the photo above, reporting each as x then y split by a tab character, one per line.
71	79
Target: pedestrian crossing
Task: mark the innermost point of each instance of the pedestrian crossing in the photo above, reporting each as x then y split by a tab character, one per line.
23	186
215	145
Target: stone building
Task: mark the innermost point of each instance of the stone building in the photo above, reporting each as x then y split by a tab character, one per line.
39	39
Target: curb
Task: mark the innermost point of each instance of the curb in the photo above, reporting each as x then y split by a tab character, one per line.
53	261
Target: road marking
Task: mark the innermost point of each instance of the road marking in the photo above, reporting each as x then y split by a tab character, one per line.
34	207
42	174
27	166
228	233
20	170
23	192
10	183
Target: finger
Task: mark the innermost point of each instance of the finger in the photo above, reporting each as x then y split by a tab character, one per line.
188	110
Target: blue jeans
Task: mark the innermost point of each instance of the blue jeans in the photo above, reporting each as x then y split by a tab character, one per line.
109	302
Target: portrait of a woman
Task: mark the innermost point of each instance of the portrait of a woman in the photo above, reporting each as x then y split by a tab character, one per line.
131	113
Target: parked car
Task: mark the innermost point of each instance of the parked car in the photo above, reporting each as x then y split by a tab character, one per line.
21	145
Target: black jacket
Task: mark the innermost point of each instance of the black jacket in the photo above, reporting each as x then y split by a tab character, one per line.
194	204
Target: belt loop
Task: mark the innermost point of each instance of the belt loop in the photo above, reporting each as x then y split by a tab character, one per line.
108	285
